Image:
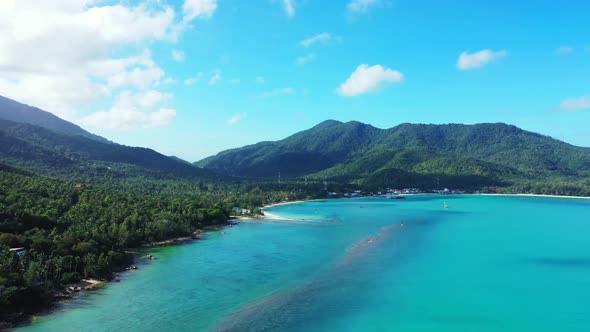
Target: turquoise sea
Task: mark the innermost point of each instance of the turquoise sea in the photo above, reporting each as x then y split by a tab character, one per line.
487	263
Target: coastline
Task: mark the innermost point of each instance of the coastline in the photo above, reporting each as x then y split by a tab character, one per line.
287	203
69	292
536	195
268	215
299	201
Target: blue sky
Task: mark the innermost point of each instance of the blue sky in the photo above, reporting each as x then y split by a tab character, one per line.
206	75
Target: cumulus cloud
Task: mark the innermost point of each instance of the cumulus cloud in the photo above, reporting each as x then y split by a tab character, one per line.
105	68
561	50
236	118
146	99
319	38
277	92
575	104
178	55
140	78
198	9
78	38
52	93
305	59
362	6
289	6
367	79
133	110
478	59
129	119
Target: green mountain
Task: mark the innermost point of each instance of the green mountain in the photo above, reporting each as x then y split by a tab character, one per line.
17	112
323	146
79	158
426	156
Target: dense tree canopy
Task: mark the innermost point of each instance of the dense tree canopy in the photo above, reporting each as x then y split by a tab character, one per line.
71	232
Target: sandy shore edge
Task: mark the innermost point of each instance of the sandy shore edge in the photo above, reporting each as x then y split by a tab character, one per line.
537	195
268	215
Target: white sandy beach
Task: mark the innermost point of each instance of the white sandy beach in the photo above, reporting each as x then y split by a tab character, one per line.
536	195
268	215
283	203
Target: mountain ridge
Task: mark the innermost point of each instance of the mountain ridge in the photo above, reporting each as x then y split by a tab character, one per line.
53	153
38	141
502	154
14	111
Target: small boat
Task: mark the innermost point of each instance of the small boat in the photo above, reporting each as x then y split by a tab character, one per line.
445	206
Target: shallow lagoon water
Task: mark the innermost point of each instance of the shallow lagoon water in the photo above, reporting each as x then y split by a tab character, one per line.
488	263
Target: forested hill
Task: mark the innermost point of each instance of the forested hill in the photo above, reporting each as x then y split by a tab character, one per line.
80	158
17	112
411	155
323	146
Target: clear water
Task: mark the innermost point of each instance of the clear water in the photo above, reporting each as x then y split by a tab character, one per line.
484	264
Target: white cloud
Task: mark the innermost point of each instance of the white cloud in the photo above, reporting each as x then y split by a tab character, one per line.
57	94
289	6
236	118
305	59
105	68
129	119
58	55
319	38
362	6
469	61
563	50
119	23
134	110
259	79
367	79
198	9
575	104
277	92
178	55
215	78
140	78
193	80
234	81
149	99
